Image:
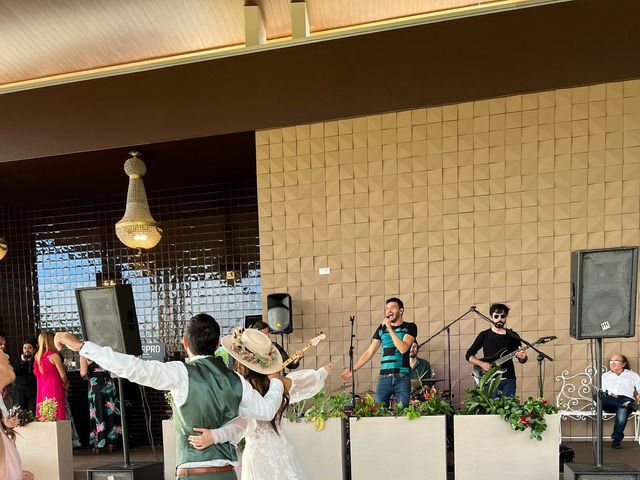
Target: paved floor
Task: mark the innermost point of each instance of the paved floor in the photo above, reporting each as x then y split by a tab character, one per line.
83	459
629	454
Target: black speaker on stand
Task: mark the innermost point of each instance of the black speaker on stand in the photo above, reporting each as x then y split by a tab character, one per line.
108	318
279	313
602	305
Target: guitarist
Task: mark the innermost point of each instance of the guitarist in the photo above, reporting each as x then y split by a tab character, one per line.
495	343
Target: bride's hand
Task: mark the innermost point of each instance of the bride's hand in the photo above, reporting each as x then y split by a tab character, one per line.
329	367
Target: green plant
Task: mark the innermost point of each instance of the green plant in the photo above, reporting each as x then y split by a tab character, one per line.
432	404
530	415
47	410
169	399
326	407
368	407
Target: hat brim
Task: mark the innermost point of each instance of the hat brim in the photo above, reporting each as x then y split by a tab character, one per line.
275	367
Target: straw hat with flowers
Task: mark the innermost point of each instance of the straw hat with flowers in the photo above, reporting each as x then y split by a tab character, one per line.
253	349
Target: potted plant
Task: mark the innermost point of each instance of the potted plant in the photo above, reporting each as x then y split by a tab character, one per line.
317	433
45	445
489	424
376	431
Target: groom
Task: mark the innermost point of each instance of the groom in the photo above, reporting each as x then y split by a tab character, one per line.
205	393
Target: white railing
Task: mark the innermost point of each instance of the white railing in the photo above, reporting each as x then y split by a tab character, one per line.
575	400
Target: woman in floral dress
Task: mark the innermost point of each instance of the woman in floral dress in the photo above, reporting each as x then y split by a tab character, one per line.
104	414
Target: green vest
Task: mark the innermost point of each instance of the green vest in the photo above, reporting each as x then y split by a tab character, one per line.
214	397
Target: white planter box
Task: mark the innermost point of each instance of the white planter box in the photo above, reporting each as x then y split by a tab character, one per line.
45	449
169	449
486	447
320	453
388	447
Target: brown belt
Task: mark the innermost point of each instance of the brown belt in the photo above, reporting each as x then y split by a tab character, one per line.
203	470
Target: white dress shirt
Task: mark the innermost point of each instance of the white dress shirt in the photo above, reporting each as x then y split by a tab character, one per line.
173	377
623	384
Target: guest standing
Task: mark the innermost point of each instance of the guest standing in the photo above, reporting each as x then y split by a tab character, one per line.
25	388
10	465
104	414
51	375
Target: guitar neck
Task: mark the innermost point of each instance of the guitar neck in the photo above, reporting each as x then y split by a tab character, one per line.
509	356
296	355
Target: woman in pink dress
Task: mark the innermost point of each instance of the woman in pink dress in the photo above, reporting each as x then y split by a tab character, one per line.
10	465
50	374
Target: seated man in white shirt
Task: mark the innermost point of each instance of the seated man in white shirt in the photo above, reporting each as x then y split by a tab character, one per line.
620	388
205	393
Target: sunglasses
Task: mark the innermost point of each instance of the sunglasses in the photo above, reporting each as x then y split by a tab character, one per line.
499	315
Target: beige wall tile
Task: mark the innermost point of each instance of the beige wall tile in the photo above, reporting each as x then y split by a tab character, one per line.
448	207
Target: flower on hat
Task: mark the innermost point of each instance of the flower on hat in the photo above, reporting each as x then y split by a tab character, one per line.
248	355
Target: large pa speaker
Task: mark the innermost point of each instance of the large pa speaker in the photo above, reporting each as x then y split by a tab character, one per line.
108	318
279	314
603	293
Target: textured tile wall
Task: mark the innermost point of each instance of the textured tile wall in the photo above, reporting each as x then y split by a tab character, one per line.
449	207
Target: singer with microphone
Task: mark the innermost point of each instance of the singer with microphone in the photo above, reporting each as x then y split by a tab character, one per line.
396	336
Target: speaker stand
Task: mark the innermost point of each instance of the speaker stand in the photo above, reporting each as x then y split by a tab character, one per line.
126	470
598	452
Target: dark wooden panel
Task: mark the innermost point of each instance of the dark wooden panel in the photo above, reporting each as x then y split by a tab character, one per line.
565	44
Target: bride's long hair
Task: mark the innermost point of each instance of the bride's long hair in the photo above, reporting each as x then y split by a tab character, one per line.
261	383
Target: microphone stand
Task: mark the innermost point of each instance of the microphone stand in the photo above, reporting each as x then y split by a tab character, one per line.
352	319
447	328
349	409
541	355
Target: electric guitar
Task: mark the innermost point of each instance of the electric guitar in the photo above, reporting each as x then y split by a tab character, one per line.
312	343
499	358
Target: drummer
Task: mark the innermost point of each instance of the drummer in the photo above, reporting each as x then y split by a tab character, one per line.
420	368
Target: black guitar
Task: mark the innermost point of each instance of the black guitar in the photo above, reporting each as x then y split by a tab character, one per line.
499	358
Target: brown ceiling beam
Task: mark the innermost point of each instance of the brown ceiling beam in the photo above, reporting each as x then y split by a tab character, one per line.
557	45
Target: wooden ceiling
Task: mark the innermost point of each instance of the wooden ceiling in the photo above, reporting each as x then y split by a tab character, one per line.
41	39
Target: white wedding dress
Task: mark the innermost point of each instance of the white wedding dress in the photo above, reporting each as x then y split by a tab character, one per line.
269	455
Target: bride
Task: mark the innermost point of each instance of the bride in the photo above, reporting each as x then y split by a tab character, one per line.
268	453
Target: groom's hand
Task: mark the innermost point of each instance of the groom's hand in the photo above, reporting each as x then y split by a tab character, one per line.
65	339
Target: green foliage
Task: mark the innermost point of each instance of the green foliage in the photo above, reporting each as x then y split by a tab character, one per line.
530	415
431	405
47	410
169	399
368	407
326	407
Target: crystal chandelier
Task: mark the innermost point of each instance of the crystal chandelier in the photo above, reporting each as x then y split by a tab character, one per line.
3	247
137	229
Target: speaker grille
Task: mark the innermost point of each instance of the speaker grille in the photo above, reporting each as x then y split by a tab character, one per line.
108	317
605	296
99	311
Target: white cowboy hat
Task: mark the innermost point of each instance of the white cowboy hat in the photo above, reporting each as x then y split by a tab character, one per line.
253	349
